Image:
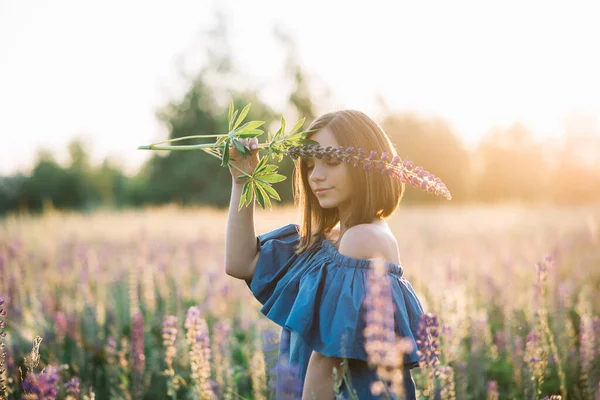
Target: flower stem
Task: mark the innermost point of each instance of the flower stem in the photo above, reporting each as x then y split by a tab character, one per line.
186	147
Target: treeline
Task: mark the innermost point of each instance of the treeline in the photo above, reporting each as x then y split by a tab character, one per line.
508	164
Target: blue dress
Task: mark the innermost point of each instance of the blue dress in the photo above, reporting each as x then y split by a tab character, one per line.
317	296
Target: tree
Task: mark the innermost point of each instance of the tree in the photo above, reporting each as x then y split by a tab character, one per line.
432	145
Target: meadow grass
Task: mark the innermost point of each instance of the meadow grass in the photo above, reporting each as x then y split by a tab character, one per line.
136	304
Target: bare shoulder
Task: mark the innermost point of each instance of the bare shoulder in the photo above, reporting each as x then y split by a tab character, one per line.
369	241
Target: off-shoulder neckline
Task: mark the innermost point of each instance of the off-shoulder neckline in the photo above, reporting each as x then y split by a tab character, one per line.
348	261
328	248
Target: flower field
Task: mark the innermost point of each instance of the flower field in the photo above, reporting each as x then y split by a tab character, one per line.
136	304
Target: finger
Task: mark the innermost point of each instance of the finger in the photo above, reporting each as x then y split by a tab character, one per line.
253	143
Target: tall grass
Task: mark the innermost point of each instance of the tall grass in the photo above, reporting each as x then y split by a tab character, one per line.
136	304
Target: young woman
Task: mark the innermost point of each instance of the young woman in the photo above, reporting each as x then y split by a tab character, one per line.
311	278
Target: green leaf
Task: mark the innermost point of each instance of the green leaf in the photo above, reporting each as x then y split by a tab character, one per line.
248	126
259	196
282	125
221	140
225	159
232	119
273	178
265	196
242	116
260	165
252	133
240	148
250	194
297	126
272	192
244	195
230	113
268	169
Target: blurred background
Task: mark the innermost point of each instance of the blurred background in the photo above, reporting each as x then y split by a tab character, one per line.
501	101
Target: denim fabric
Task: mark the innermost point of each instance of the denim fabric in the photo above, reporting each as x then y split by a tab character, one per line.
317	296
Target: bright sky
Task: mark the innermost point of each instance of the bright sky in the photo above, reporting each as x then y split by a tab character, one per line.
99	70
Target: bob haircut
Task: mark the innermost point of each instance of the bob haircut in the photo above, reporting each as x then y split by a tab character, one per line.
374	194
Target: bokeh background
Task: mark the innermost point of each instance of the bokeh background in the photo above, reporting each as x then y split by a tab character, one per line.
113	256
499	100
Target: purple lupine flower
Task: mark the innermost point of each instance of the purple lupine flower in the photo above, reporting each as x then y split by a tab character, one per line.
417	176
428	341
379	330
44	385
289	384
138	359
2	345
270	347
72	387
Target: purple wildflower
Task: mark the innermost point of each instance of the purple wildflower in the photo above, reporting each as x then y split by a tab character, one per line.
138	359
44	385
405	172
428	340
2	345
72	387
379	330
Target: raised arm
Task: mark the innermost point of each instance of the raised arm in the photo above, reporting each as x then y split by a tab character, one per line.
241	253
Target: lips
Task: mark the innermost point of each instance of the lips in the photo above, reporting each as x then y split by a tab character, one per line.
321	190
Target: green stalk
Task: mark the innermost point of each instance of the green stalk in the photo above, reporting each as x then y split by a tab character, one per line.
186	147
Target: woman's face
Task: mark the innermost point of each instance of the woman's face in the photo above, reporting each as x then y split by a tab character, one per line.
329	180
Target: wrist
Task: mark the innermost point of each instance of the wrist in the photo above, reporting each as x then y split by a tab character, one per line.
238	182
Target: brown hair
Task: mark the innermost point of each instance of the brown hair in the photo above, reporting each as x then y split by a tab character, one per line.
374	194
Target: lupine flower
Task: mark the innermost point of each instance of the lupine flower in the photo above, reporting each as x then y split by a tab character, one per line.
72	388
428	341
448	385
384	350
169	336
270	348
2	345
199	342
138	361
416	177
492	390
535	357
43	385
287	382
379	330
587	348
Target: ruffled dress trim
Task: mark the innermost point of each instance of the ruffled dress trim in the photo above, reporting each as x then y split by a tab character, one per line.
319	295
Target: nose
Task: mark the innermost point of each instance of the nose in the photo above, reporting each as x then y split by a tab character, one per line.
317	174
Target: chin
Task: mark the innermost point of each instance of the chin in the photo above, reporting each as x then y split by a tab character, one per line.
328	204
